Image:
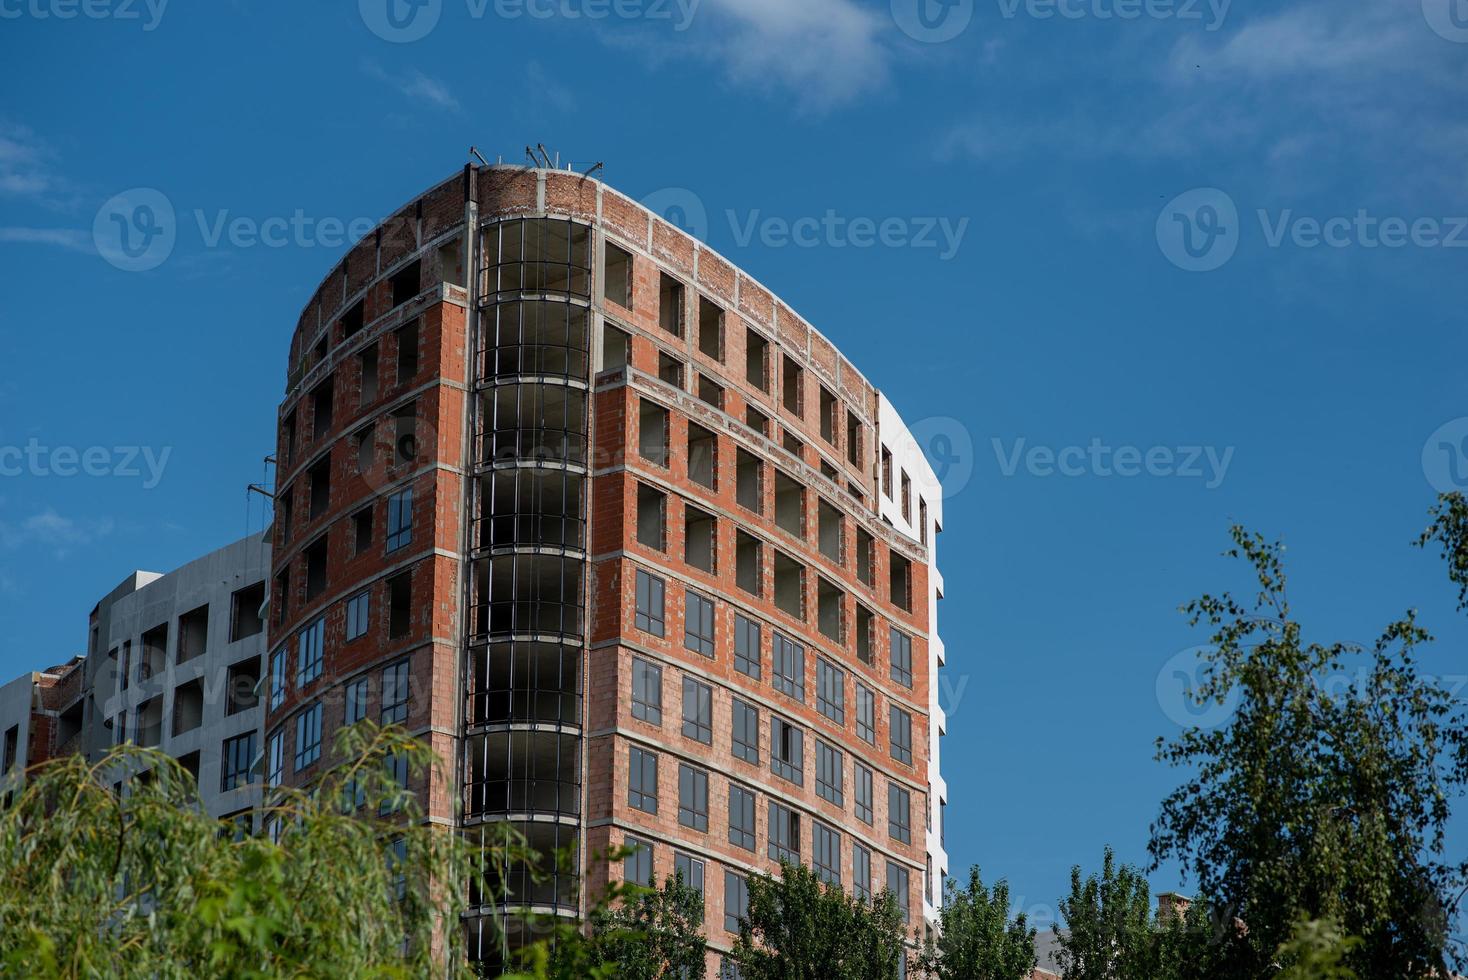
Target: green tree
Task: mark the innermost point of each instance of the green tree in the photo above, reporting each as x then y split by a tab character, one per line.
145	885
799	928
1449	529
652	933
1315	800
977	940
1316	951
1109	932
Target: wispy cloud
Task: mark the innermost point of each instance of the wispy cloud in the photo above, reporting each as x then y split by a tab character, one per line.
71	238
50	530
414	85
28	168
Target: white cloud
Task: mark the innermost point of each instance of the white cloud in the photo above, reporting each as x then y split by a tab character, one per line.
51	530
27	168
70	238
415	85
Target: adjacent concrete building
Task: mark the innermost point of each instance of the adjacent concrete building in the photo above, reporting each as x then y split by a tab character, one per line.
614	529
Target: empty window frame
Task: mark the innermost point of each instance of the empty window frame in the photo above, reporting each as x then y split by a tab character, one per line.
367	374
830	690
792	444
400	605
365	439
698	711
617	275
831	532
397	687
651	593
309	652
789	576
642	780
399	519
535	337
899	734
407	342
865	634
193	633
315	557
749	563
784	834
745	736
652	432
319	477
854	439
321	409
906	497
405	433
789	504
831	611
830	774
652	517
405	283
545	422
671	304
741	817
354	319
899	655
362	531
757	360
899	813
308	736
792	392
866	558
698	623
749	476
825	848
537	255
244	612
829	409
787	751
747	655
693	798
700	539
710	329
616	348
703	456
670	370
647	691
710	392
887	472
900	582
757	420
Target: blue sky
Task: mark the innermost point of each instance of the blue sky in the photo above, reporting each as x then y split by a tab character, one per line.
1107	279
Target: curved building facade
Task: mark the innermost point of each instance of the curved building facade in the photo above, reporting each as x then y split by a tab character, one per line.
569	495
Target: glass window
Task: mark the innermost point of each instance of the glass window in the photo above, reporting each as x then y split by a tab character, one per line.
356	702
308	736
277	678
831	691
647	691
786	751
698	624
746	731
650	590
693	797
741	817
900	735
396	685
736	901
698	711
784	834
826	853
239	756
637	866
642	780
861	873
899	813
866	714
830	785
275	760
399	519
789	667
901	658
357	614
864	793
746	646
690	869
308	652
897	884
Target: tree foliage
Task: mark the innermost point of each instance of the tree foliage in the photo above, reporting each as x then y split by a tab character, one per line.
1449	528
977	939
1109	931
1327	802
652	933
799	928
144	884
1316	951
